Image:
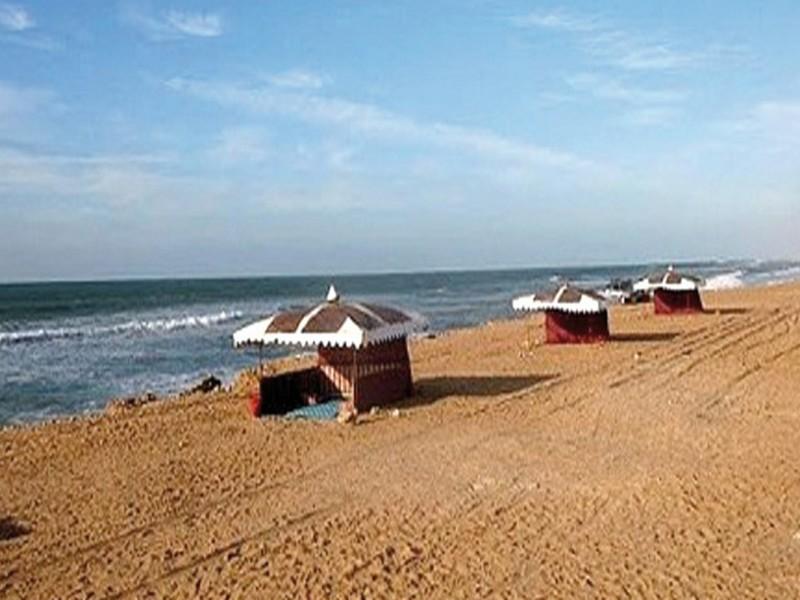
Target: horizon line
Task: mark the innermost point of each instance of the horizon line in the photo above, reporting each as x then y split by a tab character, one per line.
388	273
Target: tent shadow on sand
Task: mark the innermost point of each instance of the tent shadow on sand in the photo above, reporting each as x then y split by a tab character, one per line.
727	311
644	337
10	528
428	390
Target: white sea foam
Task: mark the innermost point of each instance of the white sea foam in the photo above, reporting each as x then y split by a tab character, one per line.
783	275
725	281
154	325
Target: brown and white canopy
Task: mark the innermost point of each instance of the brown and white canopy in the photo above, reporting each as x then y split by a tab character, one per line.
332	323
566	298
668	279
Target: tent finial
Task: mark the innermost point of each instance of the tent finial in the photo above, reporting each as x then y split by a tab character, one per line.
333	295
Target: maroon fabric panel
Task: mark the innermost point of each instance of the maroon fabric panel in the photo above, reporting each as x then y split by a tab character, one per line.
572	328
384	372
388	351
336	366
384	388
336	379
669	302
384	376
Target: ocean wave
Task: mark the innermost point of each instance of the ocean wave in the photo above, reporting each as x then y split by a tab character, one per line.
725	281
135	326
783	275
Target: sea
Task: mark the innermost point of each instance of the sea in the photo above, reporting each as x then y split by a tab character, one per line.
69	347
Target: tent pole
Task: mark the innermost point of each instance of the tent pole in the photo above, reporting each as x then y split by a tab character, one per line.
355	376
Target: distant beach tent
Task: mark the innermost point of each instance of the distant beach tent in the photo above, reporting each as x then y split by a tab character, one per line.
362	355
572	315
673	293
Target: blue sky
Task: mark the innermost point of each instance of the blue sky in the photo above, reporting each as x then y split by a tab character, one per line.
189	139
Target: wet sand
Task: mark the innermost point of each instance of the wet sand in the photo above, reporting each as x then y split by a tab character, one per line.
665	463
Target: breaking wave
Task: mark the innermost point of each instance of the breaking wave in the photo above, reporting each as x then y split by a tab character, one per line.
783	275
135	326
725	281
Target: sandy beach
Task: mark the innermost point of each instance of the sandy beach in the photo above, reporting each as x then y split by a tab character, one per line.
663	464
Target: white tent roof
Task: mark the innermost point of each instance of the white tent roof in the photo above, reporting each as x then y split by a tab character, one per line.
669	279
331	323
566	299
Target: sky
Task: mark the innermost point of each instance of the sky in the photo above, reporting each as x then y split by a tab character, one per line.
203	139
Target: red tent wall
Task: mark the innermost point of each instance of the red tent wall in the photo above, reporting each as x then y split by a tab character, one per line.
670	302
575	328
383	372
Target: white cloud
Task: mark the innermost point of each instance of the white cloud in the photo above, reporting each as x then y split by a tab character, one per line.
635	53
614	46
15	18
559	20
16	100
148	185
241	145
28	115
111	180
328	156
199	24
652	116
613	89
298	79
370	120
331	196
31	40
778	119
172	24
26	112
17	28
339	158
775	124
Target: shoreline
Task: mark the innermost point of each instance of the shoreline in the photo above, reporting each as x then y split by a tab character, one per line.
234	384
121	342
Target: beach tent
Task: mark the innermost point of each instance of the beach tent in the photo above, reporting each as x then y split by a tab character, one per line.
673	293
572	315
362	355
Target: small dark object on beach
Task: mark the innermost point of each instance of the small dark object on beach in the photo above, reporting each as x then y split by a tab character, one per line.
208	385
10	528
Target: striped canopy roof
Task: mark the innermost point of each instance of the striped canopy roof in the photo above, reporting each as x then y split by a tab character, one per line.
331	323
668	279
566	298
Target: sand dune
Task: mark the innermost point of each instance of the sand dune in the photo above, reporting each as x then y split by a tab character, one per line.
665	463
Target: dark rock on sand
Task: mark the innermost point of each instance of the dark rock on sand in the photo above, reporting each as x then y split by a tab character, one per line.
208	385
